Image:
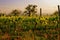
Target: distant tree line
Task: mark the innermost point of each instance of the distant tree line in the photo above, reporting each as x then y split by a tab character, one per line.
30	11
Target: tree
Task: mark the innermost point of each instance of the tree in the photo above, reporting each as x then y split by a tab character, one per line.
55	13
2	14
15	13
31	9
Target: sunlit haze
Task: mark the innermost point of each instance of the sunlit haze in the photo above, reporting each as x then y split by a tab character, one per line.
48	6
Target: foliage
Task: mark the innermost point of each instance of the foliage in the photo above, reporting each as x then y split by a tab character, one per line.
31	9
15	25
15	13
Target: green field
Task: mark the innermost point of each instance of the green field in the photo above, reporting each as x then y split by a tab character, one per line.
29	28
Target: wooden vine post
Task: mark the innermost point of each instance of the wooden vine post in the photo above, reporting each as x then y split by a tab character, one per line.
59	11
58	21
40	12
58	16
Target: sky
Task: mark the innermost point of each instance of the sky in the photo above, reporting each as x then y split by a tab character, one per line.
48	6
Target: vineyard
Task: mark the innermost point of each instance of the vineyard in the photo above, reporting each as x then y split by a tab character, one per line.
29	28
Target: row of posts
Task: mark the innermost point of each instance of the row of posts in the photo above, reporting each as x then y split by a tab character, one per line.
58	11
